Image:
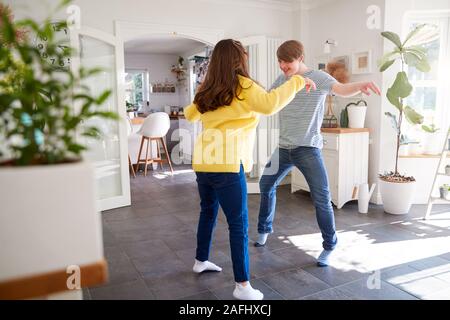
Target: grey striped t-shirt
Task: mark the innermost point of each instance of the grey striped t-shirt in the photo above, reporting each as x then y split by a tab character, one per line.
301	120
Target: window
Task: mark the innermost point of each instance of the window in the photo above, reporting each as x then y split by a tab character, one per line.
431	95
136	87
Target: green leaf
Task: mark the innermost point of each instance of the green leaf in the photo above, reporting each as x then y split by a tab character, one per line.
413	33
386	65
423	66
430	129
417	59
105	95
412	116
394	99
393	37
401	87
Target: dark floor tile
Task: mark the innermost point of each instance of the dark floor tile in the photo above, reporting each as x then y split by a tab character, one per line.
206	295
333	276
296	256
431	262
86	294
267	263
327	294
153	249
135	290
360	290
176	286
165	265
120	268
294	283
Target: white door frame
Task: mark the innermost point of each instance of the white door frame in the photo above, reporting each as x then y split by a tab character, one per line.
129	30
125	198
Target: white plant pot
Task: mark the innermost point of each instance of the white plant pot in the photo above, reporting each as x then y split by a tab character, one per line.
432	143
356	116
49	220
397	197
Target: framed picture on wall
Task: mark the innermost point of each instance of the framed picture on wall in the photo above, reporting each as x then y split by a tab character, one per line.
320	62
362	62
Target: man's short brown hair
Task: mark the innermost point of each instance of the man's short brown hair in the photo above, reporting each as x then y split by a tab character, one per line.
290	51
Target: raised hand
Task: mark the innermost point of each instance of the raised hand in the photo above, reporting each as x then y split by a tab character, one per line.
366	87
309	84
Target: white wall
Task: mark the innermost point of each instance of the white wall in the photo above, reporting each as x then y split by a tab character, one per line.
422	169
158	67
345	22
236	18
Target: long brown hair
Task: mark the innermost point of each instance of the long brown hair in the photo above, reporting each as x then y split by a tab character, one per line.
221	84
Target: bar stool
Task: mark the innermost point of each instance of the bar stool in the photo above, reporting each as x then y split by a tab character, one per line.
154	128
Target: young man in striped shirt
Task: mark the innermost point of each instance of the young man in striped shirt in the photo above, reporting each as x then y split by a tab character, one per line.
301	143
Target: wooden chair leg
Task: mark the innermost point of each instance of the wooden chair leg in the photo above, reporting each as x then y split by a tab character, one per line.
167	154
139	154
131	167
158	153
146	158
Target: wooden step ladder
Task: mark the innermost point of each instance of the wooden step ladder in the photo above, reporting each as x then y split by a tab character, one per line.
440	171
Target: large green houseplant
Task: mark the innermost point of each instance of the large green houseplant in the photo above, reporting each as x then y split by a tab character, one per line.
49	218
397	189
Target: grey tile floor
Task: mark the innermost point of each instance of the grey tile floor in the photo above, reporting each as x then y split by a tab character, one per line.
150	248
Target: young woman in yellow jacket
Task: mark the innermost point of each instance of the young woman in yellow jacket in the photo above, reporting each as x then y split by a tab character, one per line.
229	103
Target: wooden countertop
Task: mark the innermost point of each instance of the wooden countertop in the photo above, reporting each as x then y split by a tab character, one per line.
344	130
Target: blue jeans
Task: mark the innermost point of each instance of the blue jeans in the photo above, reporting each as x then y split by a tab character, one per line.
229	190
309	161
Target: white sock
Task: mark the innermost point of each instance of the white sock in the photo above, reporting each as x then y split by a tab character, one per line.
205	266
324	258
247	292
262	238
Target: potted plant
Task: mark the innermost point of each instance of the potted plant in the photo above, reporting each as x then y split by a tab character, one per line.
397	190
444	191
49	218
131	109
354	115
431	139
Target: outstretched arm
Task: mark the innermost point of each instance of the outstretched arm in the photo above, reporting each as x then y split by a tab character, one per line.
351	89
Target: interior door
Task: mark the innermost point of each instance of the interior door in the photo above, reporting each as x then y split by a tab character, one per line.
109	154
263	67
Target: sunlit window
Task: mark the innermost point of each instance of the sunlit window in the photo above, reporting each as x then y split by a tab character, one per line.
431	95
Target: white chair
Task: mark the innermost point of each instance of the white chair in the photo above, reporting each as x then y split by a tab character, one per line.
154	128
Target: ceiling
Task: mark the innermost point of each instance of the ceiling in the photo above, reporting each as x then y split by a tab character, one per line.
166	44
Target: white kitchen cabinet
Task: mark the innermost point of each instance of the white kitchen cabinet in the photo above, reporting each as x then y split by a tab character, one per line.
346	156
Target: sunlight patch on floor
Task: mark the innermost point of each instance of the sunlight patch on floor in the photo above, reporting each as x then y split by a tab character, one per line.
168	174
358	250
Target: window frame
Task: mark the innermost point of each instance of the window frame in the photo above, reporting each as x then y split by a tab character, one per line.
145	83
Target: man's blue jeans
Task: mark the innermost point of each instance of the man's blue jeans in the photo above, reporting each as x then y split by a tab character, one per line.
229	190
310	162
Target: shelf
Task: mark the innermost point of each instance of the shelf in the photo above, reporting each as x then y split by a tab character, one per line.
437	200
443	175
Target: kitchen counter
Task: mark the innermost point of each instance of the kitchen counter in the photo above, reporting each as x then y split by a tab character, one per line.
344	130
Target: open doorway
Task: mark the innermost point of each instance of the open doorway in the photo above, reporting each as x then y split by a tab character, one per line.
161	76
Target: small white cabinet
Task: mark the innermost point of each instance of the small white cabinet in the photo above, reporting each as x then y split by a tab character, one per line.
346	156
